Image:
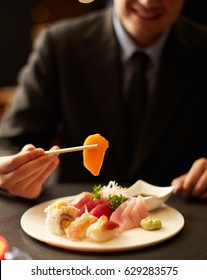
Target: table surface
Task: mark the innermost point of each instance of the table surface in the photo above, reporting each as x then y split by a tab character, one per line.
189	244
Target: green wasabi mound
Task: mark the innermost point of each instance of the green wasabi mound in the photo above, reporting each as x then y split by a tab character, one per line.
151	223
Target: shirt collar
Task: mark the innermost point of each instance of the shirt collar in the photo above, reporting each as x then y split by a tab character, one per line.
128	46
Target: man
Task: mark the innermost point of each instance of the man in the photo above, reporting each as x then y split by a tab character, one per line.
77	83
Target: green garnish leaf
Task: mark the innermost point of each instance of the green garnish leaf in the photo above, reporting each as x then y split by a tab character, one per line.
96	191
116	200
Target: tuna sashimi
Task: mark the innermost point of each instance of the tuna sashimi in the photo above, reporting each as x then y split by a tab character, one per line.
90	205
102	209
110	225
129	214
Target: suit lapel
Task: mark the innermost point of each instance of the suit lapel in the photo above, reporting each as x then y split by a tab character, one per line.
100	63
170	93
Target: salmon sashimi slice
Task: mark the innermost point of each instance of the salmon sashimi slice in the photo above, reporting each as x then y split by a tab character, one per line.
93	158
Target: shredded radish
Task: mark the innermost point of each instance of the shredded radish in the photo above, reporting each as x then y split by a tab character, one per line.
112	189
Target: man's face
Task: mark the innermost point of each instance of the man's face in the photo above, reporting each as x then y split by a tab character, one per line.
145	20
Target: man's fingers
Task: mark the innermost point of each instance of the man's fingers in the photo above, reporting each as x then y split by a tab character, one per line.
201	186
193	176
194	182
26	170
32	191
195	172
28	147
178	183
31	186
11	163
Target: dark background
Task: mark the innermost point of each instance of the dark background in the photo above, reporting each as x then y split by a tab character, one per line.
20	22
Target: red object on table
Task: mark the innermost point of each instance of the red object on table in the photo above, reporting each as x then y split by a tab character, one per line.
4	247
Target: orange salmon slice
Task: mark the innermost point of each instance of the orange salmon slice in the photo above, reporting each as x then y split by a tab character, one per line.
93	158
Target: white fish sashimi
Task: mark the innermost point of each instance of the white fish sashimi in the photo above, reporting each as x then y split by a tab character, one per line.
135	214
129	214
126	217
116	215
141	207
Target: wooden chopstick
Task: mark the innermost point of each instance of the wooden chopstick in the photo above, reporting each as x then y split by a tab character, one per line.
72	149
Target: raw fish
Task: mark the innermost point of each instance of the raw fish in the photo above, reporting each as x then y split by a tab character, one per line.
129	214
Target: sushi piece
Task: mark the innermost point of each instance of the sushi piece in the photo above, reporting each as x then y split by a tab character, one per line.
102	230
93	158
59	215
76	231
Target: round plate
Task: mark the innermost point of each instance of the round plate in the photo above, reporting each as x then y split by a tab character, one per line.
33	223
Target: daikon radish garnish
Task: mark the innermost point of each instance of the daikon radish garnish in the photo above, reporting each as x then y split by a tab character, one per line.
93	158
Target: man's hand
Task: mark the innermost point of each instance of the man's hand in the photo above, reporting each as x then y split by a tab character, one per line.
194	182
23	174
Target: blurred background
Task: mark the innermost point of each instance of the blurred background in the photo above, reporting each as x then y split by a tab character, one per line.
20	23
22	20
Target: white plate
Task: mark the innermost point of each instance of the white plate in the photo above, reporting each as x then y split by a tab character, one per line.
33	223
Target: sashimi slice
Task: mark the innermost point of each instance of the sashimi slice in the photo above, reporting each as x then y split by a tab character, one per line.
129	214
93	158
122	216
81	199
127	221
101	209
139	211
111	225
90	205
135	215
142	208
116	215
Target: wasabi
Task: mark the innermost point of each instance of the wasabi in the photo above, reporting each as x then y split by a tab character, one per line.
151	223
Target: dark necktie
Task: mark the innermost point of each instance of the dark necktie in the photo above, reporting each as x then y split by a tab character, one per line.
136	103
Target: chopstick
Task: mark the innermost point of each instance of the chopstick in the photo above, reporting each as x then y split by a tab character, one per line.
72	149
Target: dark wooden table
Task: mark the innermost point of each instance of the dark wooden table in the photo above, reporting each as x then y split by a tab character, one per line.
189	244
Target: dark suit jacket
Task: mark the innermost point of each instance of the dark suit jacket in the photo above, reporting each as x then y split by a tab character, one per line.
72	84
